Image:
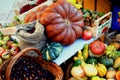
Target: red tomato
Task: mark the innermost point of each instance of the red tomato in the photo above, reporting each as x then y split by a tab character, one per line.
87	35
97	47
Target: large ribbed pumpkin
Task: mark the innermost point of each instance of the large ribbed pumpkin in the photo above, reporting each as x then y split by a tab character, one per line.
63	22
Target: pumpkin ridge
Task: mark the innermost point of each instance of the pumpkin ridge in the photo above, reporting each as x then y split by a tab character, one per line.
60	37
49	17
76	17
57	21
60	10
79	23
56	51
68	34
53	27
53	32
51	54
73	34
78	30
66	8
48	56
72	12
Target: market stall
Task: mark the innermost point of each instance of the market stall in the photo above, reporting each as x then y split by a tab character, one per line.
58	40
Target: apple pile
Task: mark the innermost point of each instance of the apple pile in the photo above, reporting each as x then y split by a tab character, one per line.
30	6
8	47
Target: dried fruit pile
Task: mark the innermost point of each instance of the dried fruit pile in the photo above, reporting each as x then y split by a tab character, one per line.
28	69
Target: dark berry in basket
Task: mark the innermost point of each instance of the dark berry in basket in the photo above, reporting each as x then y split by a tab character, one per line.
28	69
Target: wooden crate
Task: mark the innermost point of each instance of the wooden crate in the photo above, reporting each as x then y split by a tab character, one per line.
97	5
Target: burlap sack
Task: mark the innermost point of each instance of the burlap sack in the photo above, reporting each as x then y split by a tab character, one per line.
31	35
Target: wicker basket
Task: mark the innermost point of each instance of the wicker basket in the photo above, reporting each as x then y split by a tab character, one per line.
50	66
68	75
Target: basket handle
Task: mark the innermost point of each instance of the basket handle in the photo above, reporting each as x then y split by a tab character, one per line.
16	57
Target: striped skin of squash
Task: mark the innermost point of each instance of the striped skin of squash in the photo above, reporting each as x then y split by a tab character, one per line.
51	51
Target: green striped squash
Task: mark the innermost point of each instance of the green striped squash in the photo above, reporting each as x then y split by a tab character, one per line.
51	51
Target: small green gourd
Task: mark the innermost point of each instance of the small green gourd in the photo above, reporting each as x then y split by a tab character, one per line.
108	62
51	51
92	60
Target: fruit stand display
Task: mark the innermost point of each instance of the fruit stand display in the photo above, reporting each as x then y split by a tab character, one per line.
96	61
59	31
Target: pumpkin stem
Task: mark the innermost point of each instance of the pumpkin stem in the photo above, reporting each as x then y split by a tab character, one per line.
48	45
67	22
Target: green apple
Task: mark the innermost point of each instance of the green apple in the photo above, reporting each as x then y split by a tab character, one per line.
5	55
6	38
1	60
2	42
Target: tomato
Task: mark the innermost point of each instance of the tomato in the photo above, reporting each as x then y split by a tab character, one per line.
87	35
97	47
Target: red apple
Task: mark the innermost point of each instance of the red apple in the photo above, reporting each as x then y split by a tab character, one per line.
14	49
87	35
9	43
5	55
1	50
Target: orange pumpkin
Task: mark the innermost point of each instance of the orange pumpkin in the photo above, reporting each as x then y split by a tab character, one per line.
35	15
63	22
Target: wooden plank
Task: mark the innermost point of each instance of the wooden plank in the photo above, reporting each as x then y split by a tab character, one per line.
89	4
103	6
